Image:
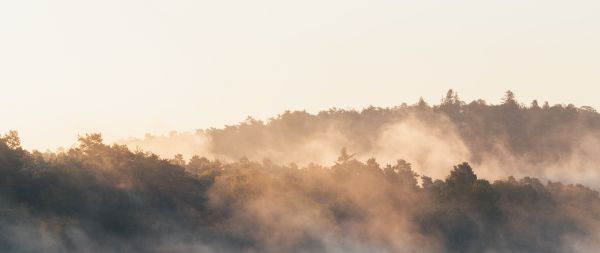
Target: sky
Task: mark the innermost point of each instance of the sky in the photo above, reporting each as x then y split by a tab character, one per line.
129	67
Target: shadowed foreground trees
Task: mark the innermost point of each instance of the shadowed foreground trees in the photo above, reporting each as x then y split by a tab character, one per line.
100	198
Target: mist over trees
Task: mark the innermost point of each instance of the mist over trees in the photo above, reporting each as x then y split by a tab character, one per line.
105	198
536	139
265	197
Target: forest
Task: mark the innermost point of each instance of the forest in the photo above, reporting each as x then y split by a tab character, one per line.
453	177
552	142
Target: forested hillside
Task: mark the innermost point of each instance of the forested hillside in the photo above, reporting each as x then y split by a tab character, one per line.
105	198
510	138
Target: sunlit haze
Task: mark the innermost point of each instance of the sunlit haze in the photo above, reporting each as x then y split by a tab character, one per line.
269	126
126	68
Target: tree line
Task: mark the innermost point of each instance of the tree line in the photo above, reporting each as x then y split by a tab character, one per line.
536	134
97	197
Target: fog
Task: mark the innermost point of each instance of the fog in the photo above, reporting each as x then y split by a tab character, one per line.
558	142
453	177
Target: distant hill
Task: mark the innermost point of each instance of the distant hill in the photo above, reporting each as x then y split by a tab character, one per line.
548	141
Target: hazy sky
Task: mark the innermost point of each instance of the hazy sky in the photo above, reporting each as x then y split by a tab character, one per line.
125	67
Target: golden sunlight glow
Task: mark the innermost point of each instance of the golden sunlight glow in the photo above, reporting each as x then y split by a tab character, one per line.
131	67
